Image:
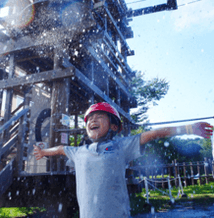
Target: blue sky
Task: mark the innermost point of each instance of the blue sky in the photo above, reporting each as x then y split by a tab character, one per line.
178	46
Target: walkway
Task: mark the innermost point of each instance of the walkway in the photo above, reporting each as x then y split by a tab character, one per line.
181	213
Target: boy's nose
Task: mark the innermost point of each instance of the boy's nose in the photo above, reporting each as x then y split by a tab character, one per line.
94	117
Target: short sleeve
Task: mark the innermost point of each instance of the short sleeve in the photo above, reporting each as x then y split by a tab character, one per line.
70	153
131	147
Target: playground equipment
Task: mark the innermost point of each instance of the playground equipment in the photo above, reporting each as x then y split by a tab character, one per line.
57	58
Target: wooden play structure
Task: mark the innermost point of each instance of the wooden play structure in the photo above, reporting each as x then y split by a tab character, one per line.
57	57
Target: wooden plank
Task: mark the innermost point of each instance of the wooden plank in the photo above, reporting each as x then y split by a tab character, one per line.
37	78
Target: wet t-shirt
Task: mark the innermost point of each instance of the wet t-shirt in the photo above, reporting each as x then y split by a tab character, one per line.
100	176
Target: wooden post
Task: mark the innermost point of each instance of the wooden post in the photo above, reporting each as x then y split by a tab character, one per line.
152	173
163	186
170	193
185	174
146	172
92	81
107	86
118	96
22	137
180	184
169	170
147	190
59	106
213	169
192	174
9	96
75	126
205	169
1	98
176	173
199	174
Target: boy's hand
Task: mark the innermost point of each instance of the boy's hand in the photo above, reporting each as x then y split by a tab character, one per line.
37	152
201	129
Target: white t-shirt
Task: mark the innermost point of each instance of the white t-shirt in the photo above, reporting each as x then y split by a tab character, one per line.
100	176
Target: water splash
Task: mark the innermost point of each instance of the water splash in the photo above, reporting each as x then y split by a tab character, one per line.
23	13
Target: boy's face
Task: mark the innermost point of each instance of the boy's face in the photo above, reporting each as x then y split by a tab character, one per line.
98	124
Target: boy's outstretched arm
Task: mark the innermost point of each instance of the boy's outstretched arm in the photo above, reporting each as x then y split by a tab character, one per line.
40	153
201	129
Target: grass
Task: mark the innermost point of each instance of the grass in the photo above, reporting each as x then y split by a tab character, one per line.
199	196
19	211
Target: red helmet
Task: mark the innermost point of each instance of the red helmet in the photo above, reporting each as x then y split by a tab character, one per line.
106	107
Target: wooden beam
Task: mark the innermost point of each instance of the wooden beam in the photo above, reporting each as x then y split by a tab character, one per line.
122	76
96	90
37	78
21	44
4	151
122	59
9	95
106	68
118	31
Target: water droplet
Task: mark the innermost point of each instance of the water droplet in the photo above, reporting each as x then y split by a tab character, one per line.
60	207
166	144
152	210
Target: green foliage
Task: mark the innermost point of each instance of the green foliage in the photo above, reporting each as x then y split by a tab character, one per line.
19	211
164	151
72	140
147	93
206	150
139	130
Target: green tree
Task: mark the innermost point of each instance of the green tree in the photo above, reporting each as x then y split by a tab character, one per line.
147	93
164	151
206	150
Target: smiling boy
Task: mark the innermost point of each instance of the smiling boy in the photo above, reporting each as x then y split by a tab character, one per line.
100	166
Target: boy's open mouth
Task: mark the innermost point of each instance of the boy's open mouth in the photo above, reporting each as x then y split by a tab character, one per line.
94	127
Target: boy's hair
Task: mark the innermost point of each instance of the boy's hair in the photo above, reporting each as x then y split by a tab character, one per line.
113	119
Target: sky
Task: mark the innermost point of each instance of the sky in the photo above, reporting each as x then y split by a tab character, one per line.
177	46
